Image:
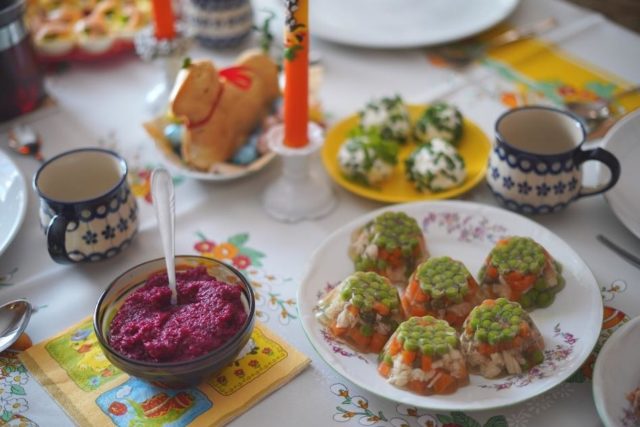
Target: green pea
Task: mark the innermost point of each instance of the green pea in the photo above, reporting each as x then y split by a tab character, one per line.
493	337
442	348
505	335
452	341
428	349
357	300
388	359
537	357
411	345
486	323
481	334
515	320
544	299
540	284
495	326
437	293
451	291
366	330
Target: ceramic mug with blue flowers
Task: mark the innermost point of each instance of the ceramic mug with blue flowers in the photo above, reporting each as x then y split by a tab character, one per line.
87	210
535	164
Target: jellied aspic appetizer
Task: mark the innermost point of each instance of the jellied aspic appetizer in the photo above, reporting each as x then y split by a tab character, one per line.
363	311
443	288
435	166
391	244
499	338
423	356
367	158
389	117
440	120
520	269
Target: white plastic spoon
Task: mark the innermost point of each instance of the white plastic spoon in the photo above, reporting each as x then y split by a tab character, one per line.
164	204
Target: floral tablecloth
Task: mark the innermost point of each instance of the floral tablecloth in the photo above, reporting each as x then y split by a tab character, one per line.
102	104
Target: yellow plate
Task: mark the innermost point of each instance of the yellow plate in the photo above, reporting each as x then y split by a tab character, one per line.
474	149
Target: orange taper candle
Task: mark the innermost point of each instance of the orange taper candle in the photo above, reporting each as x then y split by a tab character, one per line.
164	21
296	72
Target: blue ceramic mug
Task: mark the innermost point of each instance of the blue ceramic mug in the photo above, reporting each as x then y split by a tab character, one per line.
87	210
535	164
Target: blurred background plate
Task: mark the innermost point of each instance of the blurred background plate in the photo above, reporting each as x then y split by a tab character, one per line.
404	23
616	374
474	148
13	200
623	140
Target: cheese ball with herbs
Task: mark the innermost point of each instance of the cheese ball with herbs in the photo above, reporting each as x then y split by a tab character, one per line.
363	311
423	356
520	269
498	338
440	120
443	288
387	116
391	244
435	166
367	158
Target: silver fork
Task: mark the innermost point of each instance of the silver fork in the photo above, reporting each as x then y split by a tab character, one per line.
462	54
626	255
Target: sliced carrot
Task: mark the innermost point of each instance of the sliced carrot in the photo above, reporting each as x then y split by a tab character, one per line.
502	242
486	349
453	319
421	296
517	342
355	311
411	289
417	386
426	363
394	347
337	331
523	284
513	276
419	310
525	330
473	285
408	357
445	384
384	369
491	272
489	303
378	341
360	341
382	309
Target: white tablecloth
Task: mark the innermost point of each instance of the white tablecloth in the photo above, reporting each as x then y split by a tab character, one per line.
103	104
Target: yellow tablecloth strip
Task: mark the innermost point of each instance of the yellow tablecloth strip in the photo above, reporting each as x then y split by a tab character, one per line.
540	69
73	369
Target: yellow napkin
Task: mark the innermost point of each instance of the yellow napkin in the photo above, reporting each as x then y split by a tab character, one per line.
73	369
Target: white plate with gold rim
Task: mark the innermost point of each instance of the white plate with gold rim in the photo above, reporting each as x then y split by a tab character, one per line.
466	231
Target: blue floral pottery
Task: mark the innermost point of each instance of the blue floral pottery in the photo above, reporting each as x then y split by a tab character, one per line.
220	23
535	164
87	210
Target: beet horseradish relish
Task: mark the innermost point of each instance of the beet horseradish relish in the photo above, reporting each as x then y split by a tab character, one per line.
208	314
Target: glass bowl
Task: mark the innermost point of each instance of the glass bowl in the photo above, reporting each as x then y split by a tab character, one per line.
172	374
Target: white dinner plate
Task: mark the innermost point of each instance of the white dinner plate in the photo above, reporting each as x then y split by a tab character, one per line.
465	231
404	23
623	141
617	373
13	200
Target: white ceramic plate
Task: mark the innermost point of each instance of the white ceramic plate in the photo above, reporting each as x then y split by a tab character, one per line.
13	200
617	373
404	23
466	231
623	140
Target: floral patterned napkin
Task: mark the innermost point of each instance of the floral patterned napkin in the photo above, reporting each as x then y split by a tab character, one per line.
75	372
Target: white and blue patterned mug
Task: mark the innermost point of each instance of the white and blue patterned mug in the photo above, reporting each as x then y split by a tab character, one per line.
220	23
87	210
535	164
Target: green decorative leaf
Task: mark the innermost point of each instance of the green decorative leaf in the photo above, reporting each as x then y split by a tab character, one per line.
17	389
464	420
444	419
186	62
239	239
290	52
497	421
6	416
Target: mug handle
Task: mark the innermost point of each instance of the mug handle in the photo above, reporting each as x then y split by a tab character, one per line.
56	231
610	161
